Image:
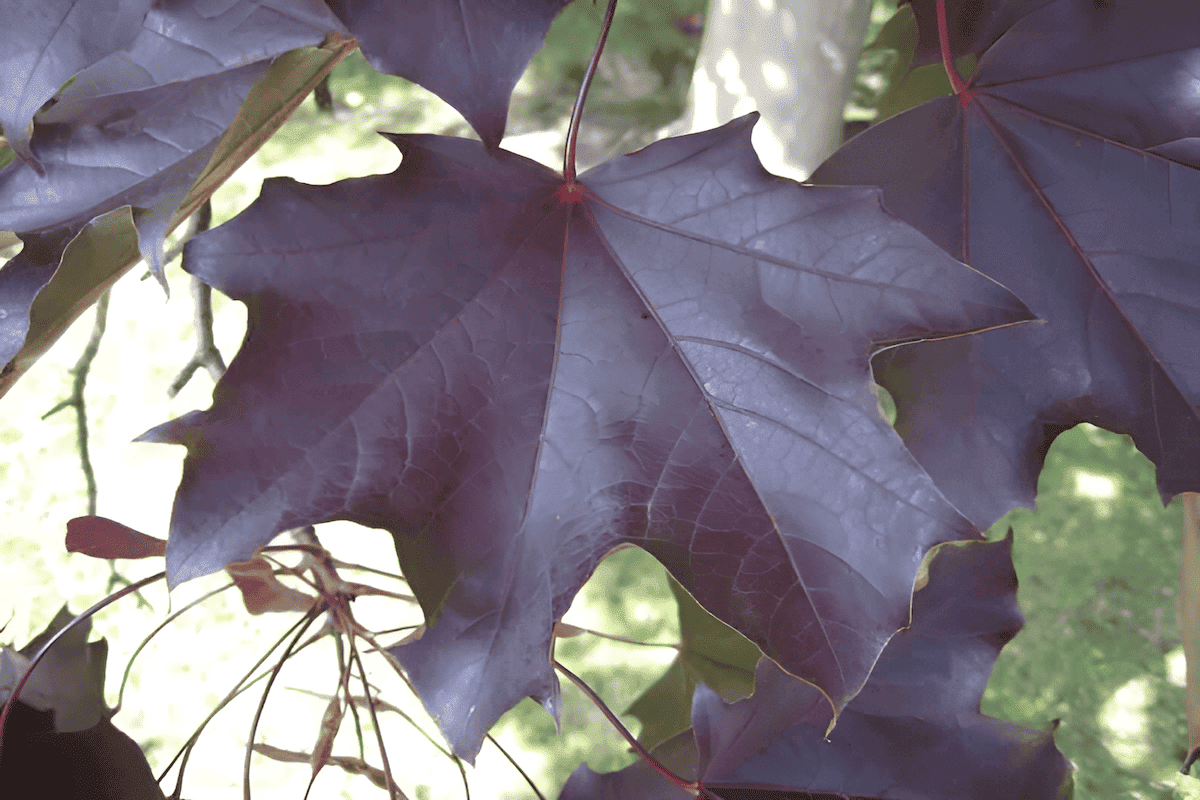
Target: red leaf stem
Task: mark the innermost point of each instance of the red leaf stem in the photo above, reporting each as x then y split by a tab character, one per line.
965	96
692	786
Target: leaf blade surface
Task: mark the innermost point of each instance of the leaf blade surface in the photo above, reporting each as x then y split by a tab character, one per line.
514	386
914	731
1071	178
471	53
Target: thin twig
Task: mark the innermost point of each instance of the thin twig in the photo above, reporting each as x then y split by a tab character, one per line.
965	95
79	376
75	400
395	665
307	619
355	766
242	685
193	227
393	790
383	705
344	671
372	570
206	355
616	638
517	766
171	618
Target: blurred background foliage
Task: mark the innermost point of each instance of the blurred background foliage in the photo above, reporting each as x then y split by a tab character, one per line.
1098	564
1097	560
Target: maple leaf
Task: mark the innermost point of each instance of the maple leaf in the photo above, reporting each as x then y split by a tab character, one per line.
143	114
58	738
1067	170
20	281
513	385
638	781
470	53
69	680
41	294
138	126
924	693
44	43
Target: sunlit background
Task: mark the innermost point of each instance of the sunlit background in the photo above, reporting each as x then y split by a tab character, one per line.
1098	560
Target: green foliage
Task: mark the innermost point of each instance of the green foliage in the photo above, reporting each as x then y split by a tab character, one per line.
880	59
710	652
1097	561
886	83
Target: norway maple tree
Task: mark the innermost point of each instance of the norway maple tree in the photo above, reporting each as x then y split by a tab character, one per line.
515	371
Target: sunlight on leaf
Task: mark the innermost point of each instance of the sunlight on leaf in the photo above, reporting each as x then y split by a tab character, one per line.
1100	487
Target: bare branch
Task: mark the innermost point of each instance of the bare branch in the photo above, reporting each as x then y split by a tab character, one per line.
74	400
206	355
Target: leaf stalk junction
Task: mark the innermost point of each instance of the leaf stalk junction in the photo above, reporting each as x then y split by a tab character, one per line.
570	192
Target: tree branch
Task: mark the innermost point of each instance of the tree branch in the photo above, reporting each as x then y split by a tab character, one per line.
206	355
75	400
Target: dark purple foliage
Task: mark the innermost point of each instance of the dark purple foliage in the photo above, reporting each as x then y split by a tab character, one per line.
20	281
972	25
471	53
514	376
1070	177
153	90
61	743
45	42
914	732
513	386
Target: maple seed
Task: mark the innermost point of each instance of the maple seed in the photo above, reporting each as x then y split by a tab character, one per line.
570	192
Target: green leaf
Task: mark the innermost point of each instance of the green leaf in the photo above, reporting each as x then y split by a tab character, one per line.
720	656
710	652
891	56
93	261
665	708
291	78
922	84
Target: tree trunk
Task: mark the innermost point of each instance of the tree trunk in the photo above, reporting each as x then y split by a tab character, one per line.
792	60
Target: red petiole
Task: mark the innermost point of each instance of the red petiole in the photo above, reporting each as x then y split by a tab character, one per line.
965	95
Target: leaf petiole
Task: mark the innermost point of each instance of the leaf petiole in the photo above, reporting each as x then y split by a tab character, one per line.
695	787
304	624
569	192
965	95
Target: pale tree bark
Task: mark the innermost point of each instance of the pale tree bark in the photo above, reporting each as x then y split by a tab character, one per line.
791	60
